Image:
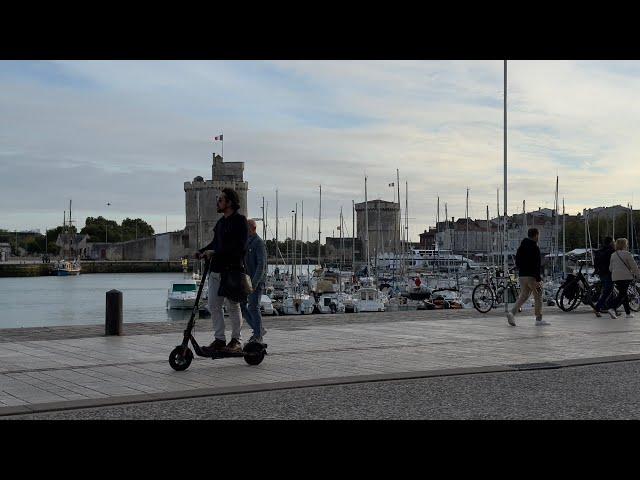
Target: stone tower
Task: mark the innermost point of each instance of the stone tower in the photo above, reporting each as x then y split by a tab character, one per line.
200	199
383	226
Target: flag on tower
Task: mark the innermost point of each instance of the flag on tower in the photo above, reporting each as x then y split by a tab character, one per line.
219	137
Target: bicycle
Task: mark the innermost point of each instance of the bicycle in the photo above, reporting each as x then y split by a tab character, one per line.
576	289
490	294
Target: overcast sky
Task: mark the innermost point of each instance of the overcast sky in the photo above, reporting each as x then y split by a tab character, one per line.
132	132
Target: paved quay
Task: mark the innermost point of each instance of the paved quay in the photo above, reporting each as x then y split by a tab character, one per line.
45	370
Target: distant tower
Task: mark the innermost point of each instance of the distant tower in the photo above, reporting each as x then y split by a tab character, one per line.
200	199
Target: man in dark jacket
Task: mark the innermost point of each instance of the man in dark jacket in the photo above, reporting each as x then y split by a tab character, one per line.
256	263
226	253
601	264
529	266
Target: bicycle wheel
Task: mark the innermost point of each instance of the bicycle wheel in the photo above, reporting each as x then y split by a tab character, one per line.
567	304
483	297
634	297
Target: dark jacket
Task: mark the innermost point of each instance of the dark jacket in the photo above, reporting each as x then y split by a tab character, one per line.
255	260
528	259
229	240
602	259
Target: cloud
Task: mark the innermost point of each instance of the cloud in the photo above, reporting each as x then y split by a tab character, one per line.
132	132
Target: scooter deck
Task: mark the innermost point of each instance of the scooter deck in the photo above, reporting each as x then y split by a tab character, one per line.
223	354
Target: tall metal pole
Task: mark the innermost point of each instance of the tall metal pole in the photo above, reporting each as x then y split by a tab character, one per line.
505	260
264	225
301	236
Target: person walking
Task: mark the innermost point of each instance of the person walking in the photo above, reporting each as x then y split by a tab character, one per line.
623	270
529	270
601	263
256	263
226	254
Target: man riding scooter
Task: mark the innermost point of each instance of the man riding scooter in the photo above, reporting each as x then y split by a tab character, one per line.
226	253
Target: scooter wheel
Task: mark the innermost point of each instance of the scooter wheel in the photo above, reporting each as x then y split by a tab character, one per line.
180	358
254	353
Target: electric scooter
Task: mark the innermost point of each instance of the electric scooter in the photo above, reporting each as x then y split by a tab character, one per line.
181	356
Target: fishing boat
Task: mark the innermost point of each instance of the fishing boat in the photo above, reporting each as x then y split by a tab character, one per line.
368	299
64	268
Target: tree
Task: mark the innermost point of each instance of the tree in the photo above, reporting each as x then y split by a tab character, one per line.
100	229
135	228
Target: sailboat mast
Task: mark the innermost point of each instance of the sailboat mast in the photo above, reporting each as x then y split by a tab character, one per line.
353	235
319	220
277	244
466	235
366	221
563	240
488	235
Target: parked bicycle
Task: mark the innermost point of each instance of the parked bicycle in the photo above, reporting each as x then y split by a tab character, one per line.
577	289
490	294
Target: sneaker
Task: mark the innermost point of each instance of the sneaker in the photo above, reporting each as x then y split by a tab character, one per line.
541	323
618	313
629	315
511	319
234	346
612	313
216	346
255	339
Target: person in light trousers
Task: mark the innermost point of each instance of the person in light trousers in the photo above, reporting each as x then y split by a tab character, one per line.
624	270
226	253
529	265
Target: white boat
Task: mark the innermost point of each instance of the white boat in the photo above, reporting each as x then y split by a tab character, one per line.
368	300
330	303
182	294
266	306
297	304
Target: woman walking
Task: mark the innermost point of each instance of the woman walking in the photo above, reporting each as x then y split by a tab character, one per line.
624	270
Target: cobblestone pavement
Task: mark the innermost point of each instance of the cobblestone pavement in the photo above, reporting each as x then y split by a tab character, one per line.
56	372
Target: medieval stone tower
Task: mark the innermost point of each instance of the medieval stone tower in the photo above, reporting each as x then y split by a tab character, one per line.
200	199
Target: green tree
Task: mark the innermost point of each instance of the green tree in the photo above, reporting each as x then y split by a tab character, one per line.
135	228
100	229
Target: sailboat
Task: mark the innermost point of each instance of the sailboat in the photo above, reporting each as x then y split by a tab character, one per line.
65	268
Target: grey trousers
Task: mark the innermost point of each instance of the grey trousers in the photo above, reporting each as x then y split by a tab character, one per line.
215	306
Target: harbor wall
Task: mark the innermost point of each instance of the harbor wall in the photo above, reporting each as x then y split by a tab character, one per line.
44	269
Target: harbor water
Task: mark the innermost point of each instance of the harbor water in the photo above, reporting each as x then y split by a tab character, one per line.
80	300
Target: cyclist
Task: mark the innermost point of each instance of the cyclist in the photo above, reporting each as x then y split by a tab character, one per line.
529	269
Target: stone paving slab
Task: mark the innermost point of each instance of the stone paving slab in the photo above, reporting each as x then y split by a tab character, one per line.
54	373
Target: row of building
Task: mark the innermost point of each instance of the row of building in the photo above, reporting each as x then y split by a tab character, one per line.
384	232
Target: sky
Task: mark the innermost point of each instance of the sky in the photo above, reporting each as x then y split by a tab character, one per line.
130	133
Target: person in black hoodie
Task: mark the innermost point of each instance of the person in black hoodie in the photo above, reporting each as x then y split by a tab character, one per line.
529	266
226	253
601	264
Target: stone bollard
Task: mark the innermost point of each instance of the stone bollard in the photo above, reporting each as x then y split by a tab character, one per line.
113	316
